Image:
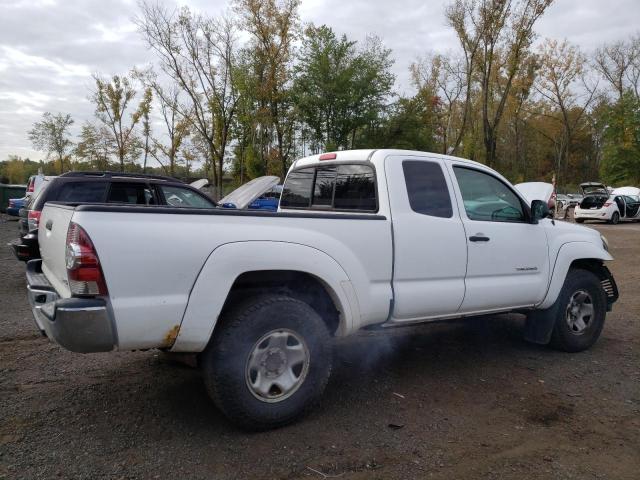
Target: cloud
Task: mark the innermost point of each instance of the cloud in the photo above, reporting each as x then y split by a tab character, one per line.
50	48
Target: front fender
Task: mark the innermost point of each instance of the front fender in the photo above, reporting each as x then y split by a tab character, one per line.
567	254
228	261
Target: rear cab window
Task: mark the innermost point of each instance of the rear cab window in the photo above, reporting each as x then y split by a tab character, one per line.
340	188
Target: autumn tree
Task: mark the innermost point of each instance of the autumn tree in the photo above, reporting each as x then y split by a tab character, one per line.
52	135
116	109
273	26
198	54
95	145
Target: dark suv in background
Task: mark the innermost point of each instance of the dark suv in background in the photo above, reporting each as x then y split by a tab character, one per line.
102	187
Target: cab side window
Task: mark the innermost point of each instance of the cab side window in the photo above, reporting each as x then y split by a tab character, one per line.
427	188
132	193
487	198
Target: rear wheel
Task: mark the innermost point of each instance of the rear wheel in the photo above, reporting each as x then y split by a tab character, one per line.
269	361
581	312
615	218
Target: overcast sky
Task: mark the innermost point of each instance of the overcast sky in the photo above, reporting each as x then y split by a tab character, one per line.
50	48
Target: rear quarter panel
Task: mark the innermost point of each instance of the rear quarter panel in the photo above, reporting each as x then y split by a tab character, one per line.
153	261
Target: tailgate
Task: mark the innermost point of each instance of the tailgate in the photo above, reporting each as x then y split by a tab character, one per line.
52	237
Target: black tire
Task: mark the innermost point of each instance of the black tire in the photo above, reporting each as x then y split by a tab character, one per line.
226	359
615	218
565	337
579	220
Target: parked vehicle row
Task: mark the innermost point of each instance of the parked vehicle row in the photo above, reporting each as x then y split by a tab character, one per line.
102	187
612	206
371	239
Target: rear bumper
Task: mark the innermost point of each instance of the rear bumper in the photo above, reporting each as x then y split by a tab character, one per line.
26	247
82	325
596	214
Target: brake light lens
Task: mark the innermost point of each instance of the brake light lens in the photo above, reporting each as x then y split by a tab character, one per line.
83	266
607	204
31	186
33	219
328	156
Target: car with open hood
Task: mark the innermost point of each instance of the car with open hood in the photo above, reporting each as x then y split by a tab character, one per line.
609	205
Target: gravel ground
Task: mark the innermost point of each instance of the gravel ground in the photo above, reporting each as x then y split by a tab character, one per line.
458	400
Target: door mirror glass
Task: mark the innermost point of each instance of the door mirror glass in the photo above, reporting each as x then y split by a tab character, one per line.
539	210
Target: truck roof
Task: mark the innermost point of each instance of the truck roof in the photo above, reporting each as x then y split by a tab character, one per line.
366	155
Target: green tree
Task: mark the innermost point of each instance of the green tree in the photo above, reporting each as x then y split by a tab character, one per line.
621	153
52	135
340	88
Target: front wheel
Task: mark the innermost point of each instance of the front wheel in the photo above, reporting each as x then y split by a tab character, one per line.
581	312
579	220
269	361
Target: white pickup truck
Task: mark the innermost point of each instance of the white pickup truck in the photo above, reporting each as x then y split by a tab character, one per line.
362	239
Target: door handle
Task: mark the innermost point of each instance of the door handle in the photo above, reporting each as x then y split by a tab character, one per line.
478	238
49	224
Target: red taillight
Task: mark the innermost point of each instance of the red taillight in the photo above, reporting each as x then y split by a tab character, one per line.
607	204
33	219
83	266
11	203
328	156
31	186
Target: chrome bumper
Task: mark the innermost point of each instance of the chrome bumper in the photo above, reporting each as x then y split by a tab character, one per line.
81	325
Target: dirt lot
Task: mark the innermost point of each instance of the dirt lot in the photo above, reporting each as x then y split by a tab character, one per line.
467	400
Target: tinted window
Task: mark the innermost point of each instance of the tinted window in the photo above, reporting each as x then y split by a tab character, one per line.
427	188
183	197
82	192
355	188
487	198
136	193
297	189
323	187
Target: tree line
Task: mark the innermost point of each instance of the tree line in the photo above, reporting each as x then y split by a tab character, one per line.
245	94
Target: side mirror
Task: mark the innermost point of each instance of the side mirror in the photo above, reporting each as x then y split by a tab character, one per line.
539	210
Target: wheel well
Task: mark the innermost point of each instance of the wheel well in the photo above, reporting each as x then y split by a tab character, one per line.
300	285
593	265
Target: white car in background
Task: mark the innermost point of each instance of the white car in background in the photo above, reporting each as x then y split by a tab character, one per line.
612	206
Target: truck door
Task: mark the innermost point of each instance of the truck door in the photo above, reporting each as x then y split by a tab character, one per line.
430	251
508	259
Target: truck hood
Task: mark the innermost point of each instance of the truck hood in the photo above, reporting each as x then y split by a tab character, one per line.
535	191
242	196
630	191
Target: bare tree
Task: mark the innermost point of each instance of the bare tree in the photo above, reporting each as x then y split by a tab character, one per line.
444	78
503	30
198	54
562	67
619	65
